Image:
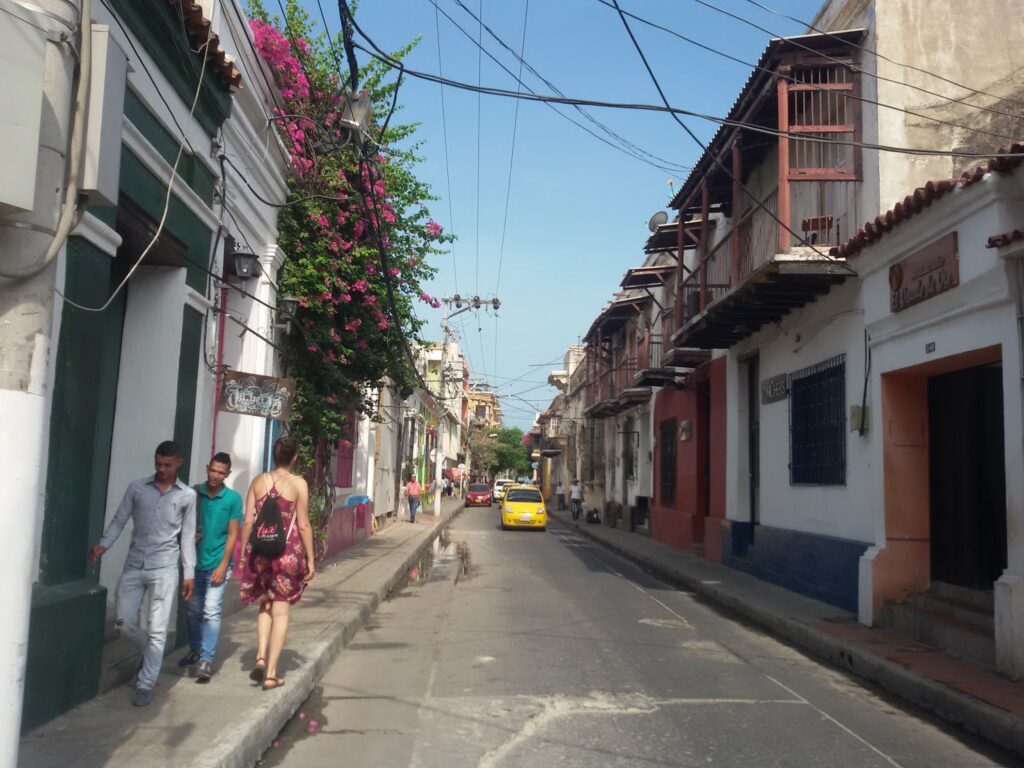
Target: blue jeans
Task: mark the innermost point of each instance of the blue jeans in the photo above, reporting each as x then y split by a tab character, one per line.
203	612
414	503
135	584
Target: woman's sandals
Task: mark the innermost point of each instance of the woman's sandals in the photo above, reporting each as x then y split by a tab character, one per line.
270	683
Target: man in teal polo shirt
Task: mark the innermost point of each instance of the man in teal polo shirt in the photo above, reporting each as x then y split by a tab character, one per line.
219	516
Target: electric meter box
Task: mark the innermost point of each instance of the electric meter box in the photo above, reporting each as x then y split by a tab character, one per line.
22	60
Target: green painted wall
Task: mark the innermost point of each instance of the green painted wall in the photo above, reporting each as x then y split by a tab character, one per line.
188	378
149	193
190	168
158	29
66	625
185	415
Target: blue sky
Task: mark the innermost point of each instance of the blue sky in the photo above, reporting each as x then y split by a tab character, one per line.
578	208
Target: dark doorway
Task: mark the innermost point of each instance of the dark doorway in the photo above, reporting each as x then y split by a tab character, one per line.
754	439
967	476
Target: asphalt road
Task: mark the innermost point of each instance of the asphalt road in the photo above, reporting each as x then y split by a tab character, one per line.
542	649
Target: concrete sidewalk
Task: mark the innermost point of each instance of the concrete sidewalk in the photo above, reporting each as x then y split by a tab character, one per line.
963	693
229	722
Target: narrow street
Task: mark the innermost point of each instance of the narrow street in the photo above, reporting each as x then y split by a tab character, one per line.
542	649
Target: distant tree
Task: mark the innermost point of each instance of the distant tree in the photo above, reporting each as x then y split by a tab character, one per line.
509	454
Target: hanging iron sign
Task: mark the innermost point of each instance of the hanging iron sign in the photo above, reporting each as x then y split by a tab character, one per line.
774	389
250	394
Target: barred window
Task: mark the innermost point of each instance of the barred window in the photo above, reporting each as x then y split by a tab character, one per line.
817	424
667	455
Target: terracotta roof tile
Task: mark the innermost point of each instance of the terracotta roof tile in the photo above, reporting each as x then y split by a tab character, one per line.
922	197
998	241
200	30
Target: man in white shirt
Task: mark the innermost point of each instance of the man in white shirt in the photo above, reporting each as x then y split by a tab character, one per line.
163	512
576	498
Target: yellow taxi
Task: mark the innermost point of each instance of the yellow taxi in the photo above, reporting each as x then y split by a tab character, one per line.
523	507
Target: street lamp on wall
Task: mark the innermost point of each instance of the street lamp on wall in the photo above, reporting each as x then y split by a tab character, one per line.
287	308
241	264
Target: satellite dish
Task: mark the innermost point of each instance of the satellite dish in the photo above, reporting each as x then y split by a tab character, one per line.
657	220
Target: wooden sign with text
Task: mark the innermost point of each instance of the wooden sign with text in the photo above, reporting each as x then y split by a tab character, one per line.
932	270
774	389
253	395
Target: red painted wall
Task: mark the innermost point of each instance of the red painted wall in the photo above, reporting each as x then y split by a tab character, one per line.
683	523
716	518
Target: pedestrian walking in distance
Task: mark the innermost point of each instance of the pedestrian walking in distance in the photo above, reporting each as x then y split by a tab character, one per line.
276	582
412	491
163	513
576	498
218	518
560	493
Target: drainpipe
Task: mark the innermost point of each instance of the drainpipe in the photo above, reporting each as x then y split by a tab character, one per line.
218	380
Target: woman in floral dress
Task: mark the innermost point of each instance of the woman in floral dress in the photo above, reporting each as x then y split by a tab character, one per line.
275	583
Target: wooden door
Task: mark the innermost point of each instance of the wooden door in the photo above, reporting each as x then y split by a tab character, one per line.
967	476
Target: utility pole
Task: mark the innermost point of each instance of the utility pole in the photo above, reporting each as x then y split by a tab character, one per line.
470	303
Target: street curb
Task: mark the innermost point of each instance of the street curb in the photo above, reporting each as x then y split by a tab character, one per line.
243	746
996	725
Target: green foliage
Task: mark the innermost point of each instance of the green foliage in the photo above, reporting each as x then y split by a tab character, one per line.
357	232
508	455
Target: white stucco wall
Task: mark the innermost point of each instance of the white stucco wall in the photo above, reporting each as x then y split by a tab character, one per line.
978	313
146	392
831	326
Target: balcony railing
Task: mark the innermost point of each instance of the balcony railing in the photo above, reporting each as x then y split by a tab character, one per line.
649	353
820	213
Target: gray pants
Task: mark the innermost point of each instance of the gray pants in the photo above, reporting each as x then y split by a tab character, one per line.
134	586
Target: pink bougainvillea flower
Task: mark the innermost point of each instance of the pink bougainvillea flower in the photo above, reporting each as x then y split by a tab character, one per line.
370	299
326	296
303	303
395	271
433	228
371	269
362	344
360	285
436	304
346	297
311	348
383	323
353	325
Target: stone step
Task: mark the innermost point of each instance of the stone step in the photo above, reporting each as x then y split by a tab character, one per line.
980	599
968	612
961	638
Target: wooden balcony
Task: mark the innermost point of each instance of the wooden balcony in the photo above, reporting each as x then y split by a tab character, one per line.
613	389
755	272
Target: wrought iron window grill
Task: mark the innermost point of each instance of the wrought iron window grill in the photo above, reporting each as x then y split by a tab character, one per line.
817	424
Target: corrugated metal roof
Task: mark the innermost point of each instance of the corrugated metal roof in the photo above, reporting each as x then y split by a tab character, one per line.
758	77
646	277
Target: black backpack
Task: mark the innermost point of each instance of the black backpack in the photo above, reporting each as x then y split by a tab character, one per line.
269	535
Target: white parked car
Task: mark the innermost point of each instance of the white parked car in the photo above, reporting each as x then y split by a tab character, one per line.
499	489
